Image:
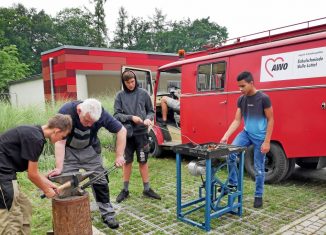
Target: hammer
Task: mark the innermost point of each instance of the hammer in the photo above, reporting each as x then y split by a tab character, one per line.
69	181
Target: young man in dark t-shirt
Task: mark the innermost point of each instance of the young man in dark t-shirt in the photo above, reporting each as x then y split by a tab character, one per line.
20	149
82	149
256	109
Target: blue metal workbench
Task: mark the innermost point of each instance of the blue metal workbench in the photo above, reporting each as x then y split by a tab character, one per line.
214	188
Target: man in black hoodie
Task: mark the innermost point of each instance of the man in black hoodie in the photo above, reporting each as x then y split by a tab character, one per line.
133	106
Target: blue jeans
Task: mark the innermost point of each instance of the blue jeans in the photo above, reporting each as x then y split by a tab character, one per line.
243	139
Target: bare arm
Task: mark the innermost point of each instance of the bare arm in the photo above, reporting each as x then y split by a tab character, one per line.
265	147
40	181
233	126
59	153
120	147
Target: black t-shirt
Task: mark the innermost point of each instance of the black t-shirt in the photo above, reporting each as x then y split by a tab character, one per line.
18	146
81	137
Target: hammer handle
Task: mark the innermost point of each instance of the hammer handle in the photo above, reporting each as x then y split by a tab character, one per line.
68	184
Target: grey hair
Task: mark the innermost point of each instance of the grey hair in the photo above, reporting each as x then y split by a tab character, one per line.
93	107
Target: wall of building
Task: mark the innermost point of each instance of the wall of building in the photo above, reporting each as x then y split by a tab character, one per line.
82	72
27	93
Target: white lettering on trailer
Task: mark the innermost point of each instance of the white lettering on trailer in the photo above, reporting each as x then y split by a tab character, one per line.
294	65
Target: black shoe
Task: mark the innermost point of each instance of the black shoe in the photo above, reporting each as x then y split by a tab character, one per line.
111	222
122	195
152	194
229	189
258	203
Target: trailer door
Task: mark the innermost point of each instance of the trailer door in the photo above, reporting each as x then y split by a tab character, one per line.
209	104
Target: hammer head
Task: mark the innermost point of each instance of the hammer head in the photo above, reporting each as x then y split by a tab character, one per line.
70	182
75	177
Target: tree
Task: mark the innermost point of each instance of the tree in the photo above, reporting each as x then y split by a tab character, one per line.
120	39
11	69
74	26
99	22
29	30
159	35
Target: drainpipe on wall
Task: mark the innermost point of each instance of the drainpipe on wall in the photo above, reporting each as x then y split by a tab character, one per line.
51	81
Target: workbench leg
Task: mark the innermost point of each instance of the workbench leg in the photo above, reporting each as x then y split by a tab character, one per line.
208	194
240	181
178	163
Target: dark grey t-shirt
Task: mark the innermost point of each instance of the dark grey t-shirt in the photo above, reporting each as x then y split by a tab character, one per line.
252	110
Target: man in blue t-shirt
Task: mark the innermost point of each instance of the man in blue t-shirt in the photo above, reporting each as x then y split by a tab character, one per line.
256	109
82	149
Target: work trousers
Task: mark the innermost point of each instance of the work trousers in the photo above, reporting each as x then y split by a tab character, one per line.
16	219
88	160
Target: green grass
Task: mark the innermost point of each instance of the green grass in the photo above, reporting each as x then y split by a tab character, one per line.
283	203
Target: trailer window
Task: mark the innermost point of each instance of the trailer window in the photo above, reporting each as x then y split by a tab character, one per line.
211	77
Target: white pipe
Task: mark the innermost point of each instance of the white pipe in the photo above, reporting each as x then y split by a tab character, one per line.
51	81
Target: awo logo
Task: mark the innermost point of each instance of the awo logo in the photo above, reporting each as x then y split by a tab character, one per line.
272	65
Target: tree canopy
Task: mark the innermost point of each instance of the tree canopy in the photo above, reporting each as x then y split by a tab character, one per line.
33	32
11	69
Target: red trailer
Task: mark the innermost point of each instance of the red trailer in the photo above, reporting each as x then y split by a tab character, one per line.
290	67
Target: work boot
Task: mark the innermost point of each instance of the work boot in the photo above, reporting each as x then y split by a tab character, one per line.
111	222
122	195
258	203
229	189
152	194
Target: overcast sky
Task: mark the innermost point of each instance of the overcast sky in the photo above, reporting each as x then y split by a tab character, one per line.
241	17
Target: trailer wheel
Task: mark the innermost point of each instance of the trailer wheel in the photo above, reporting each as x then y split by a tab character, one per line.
276	164
307	163
154	148
291	168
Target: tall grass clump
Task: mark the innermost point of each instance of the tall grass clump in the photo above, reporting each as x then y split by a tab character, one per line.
12	116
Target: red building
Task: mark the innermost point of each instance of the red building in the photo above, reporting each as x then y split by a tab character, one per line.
71	72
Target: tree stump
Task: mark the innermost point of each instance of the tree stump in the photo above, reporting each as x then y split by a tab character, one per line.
72	216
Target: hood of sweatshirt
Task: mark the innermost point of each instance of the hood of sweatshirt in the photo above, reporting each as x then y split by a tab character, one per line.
125	87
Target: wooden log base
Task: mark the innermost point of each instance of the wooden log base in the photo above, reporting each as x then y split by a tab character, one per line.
71	215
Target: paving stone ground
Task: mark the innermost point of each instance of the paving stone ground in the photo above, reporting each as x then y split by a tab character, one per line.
313	223
280	214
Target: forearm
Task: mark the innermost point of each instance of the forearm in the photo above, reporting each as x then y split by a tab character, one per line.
121	142
59	152
269	130
232	128
39	180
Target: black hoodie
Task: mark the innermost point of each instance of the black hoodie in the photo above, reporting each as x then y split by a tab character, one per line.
133	103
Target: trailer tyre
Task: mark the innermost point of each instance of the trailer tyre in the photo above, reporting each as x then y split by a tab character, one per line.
155	150
276	164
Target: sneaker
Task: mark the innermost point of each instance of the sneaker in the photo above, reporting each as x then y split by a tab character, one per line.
152	194
122	195
111	222
258	203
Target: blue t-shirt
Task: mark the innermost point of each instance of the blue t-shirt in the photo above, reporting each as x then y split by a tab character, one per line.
82	137
252	110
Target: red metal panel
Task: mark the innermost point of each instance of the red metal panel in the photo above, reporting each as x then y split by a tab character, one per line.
76	51
114	67
71	88
83	66
52	54
92	59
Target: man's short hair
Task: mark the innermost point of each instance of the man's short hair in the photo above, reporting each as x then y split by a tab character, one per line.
247	76
93	107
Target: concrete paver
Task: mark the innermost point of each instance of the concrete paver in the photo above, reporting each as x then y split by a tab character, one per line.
314	223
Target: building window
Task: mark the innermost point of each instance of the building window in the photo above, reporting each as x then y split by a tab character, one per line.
211	77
